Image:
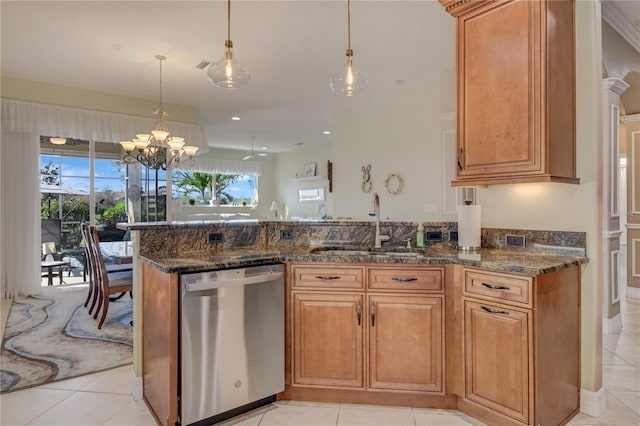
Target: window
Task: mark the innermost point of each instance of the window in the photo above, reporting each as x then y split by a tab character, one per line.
66	189
214	189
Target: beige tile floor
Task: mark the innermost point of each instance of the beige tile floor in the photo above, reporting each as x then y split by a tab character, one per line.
105	398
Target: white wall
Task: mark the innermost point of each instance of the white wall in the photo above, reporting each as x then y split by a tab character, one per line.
400	133
290	164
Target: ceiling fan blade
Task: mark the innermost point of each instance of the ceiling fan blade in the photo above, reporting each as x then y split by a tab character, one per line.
248	157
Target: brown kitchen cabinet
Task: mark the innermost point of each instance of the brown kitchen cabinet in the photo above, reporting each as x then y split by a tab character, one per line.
521	347
160	324
387	337
405	342
328	339
515	91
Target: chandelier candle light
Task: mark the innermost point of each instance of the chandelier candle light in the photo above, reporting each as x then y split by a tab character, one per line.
349	81
159	149
228	73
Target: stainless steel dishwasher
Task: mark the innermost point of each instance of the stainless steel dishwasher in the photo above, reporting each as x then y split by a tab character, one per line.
232	341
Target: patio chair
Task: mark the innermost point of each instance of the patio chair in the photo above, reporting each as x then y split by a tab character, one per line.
103	287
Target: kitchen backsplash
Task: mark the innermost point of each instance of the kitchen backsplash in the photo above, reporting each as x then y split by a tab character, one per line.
184	238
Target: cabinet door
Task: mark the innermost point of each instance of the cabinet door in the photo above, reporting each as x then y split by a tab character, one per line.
497	360
498	89
405	343
327	339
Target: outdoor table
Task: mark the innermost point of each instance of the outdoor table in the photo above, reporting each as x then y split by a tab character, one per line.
50	265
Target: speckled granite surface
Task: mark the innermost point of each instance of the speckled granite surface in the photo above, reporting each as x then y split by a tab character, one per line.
184	247
495	260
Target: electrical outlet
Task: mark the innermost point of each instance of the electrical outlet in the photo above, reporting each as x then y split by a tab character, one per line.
515	240
286	234
433	236
215	237
453	235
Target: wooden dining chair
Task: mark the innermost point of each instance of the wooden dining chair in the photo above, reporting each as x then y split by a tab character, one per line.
84	231
103	287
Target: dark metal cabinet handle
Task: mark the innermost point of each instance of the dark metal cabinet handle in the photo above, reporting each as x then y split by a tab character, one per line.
404	280
373	314
460	159
494	311
327	277
359	312
495	287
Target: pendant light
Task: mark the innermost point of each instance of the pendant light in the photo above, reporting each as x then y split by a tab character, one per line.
349	81
228	73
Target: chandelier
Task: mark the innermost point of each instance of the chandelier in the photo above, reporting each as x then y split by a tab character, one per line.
158	149
228	73
348	82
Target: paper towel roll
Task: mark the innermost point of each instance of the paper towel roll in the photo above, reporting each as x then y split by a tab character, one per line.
469	227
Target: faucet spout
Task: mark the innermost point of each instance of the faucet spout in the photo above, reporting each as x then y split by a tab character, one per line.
375	211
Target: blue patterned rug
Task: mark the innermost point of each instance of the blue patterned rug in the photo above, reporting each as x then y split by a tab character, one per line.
51	337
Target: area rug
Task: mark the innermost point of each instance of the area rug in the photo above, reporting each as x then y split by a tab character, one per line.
51	337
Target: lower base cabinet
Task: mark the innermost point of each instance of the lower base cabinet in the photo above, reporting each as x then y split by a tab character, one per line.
496	342
521	347
388	340
328	339
405	342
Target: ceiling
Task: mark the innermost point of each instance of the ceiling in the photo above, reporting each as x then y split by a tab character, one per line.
292	48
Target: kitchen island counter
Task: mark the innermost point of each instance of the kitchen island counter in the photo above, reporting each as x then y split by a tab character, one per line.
526	263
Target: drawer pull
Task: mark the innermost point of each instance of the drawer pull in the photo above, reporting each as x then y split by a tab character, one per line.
327	277
495	287
404	280
494	311
373	314
359	312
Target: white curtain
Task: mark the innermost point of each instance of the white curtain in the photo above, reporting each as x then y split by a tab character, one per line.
54	120
19	213
229	167
22	125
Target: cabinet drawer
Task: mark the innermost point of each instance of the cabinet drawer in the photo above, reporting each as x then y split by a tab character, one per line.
328	277
405	278
500	287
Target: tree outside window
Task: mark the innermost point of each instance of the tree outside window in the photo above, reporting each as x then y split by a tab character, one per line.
214	189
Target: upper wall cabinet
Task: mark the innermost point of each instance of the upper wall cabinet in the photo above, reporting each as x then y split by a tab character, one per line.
516	91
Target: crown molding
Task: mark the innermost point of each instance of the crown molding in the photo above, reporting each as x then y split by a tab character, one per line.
621	23
457	7
631	118
616	85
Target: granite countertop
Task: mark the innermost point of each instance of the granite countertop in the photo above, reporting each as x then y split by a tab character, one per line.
529	264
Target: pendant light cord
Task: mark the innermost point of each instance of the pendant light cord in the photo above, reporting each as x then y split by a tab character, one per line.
228	19
349	27
160	83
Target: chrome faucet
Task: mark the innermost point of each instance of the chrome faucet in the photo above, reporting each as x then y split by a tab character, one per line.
375	211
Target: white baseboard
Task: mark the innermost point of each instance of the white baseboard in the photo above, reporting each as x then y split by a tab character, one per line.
137	388
633	292
612	325
593	404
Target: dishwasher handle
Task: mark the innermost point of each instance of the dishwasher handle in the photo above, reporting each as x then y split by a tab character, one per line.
254	279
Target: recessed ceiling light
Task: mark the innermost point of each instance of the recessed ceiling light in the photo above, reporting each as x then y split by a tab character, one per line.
264	147
235	118
326	132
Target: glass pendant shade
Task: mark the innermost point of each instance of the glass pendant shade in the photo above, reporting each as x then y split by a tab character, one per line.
349	81
228	73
